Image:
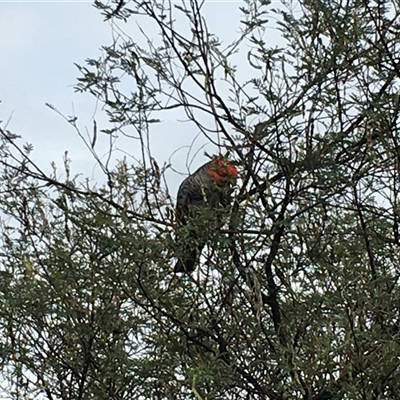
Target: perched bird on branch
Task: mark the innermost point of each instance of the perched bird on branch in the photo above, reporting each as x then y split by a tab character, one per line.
200	196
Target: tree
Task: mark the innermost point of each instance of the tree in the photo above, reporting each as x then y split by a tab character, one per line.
299	299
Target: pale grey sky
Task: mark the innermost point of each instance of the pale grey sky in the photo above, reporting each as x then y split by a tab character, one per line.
39	44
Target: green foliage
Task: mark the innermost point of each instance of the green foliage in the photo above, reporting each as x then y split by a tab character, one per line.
297	296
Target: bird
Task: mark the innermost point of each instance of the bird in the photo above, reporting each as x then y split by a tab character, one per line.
201	198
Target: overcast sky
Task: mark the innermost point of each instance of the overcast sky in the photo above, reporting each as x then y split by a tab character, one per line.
39	44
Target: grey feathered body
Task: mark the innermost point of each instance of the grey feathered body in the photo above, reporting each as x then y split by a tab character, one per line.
198	196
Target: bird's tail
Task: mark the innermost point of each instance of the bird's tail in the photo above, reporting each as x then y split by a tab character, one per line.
188	263
189	258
